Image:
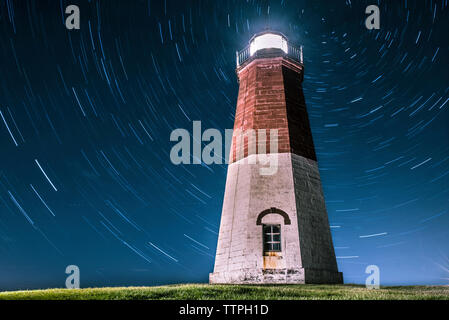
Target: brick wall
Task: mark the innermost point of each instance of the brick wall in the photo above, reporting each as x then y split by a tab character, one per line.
271	97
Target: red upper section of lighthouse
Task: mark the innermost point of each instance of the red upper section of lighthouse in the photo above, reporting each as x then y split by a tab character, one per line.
271	97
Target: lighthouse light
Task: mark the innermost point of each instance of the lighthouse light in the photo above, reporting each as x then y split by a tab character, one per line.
266	41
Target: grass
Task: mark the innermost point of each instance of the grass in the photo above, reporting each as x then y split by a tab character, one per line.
236	292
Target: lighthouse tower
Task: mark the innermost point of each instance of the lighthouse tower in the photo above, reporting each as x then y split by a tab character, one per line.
274	227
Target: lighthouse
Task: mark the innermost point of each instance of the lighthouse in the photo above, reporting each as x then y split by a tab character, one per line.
274	227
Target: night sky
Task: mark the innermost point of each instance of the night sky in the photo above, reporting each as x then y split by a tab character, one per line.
86	116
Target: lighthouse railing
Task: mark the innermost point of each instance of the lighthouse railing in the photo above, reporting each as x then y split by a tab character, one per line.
243	55
293	52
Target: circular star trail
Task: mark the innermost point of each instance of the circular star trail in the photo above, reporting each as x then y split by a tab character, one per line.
86	116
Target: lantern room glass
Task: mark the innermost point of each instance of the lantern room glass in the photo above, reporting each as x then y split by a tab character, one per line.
266	41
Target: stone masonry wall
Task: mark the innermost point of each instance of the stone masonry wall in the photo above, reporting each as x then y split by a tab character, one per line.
307	254
317	250
240	245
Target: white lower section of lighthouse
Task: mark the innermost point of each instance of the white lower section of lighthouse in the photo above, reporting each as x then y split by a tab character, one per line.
274	228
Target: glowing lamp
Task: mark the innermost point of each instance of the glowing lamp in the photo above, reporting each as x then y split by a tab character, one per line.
266	41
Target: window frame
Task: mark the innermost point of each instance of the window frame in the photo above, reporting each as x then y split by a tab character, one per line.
268	246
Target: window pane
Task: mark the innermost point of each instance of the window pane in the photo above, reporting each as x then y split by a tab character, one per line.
266	229
271	238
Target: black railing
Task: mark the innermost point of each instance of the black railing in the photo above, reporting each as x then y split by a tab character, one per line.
293	52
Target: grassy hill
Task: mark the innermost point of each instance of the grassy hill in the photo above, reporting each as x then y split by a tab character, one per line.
236	292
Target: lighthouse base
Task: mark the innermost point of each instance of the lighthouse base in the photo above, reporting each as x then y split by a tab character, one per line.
277	276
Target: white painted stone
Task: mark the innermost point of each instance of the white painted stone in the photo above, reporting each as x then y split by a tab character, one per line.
307	254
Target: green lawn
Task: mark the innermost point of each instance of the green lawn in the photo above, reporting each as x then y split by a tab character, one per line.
230	292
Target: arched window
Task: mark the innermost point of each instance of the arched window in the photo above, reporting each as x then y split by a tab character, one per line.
271	238
271	229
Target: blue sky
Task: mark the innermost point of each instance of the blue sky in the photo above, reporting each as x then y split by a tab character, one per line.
86	116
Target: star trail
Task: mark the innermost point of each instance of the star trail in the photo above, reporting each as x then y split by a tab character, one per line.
86	116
